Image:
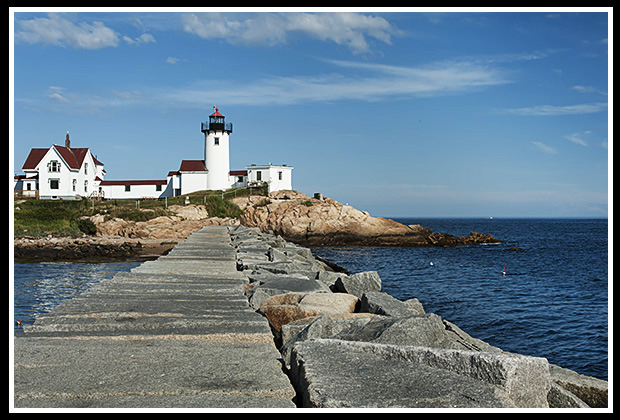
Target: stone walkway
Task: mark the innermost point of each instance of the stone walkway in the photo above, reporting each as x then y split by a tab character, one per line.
173	332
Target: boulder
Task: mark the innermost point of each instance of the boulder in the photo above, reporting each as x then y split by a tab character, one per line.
591	391
318	327
359	283
284	308
420	330
382	303
336	373
277	285
329	278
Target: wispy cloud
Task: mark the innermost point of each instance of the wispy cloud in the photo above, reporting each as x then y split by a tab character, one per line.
545	148
370	82
588	89
577	138
547	110
142	39
343	28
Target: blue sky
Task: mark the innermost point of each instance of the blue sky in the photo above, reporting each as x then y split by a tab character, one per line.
416	113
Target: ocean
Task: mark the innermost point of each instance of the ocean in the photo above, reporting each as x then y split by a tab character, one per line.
551	302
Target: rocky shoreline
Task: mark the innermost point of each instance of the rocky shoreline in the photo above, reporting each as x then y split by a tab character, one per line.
294	216
345	343
89	249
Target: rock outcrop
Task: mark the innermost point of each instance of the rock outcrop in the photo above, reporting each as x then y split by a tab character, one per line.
309	221
185	221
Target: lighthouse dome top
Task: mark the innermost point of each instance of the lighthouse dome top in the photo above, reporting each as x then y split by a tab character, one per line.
216	113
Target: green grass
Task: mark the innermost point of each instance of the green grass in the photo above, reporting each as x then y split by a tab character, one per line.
64	218
44	217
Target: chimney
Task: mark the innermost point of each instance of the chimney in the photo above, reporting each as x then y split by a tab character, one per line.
67	141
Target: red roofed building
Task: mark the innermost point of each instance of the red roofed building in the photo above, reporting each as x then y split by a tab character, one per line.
60	172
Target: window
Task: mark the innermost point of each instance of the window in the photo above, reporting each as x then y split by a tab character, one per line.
217	141
280	175
240	178
259	175
157	187
53	166
85	186
54	184
127	188
74	185
85	168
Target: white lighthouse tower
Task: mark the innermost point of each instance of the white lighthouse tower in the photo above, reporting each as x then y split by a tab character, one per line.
217	160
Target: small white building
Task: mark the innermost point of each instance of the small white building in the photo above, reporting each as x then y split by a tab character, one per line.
277	177
70	173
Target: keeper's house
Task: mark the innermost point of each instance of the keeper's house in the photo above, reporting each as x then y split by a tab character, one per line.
60	172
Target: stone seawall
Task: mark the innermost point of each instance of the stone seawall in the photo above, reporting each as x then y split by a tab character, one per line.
345	343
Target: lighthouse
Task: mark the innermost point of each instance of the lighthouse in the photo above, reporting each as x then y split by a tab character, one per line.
217	161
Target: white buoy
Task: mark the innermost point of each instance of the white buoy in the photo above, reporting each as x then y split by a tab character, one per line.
432	263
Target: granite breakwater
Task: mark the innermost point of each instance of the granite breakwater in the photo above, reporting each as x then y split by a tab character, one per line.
346	343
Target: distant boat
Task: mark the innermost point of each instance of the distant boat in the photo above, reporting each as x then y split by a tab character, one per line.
491	218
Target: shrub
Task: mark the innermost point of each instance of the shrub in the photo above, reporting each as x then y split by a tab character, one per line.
87	226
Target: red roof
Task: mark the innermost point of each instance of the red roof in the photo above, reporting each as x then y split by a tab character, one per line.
73	156
216	113
192	166
34	158
237	173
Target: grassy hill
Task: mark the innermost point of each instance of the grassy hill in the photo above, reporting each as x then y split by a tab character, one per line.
34	217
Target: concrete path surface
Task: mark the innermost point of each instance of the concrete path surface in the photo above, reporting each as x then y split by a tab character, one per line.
173	332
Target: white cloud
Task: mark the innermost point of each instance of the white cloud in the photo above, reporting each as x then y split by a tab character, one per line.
57	30
543	147
588	89
373	82
142	39
576	138
172	60
546	110
343	28
56	94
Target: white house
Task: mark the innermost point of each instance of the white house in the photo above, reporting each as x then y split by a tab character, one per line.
70	173
60	172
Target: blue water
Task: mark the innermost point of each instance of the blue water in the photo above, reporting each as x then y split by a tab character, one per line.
552	302
39	287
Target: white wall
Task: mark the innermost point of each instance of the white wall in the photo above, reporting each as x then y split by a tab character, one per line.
135	191
277	177
217	160
64	177
193	181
